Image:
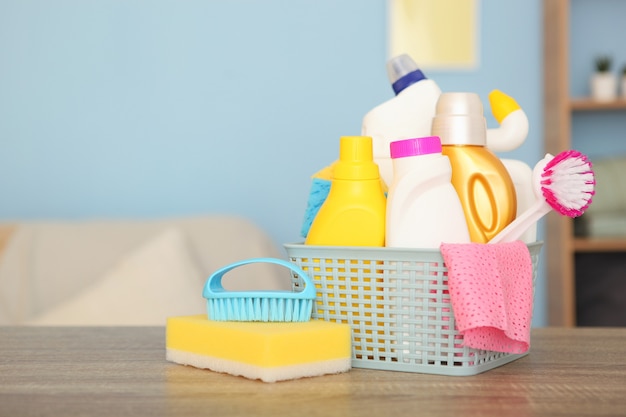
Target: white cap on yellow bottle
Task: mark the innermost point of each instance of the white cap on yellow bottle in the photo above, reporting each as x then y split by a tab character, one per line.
459	119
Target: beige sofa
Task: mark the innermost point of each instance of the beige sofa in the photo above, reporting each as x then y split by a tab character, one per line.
126	272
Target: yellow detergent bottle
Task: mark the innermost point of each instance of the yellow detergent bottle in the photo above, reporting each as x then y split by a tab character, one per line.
353	214
481	180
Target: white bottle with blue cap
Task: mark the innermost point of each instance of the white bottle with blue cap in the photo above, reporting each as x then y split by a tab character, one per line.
407	115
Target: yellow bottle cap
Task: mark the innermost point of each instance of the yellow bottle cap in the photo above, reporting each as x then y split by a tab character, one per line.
356	159
502	105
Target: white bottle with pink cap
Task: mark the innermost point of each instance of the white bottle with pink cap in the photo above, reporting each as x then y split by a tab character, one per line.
423	208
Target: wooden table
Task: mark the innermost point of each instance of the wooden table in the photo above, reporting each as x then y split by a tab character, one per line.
122	371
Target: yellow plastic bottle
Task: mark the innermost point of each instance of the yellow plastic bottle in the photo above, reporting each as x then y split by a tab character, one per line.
353	213
481	180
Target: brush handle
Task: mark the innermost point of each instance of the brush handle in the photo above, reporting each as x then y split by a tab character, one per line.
213	286
517	227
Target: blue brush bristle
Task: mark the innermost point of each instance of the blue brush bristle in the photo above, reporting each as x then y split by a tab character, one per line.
225	305
259	309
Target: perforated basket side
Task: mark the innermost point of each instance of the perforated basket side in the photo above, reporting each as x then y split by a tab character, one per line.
398	305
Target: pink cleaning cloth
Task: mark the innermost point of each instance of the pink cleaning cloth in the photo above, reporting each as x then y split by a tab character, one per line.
491	292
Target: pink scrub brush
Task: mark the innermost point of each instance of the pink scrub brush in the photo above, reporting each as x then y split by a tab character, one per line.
564	183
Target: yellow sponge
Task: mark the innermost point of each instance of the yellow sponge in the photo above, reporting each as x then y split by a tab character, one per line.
269	351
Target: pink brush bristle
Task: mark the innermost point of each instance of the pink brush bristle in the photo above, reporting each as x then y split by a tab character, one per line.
568	183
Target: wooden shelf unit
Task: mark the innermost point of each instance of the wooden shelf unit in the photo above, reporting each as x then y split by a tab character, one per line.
588	104
560	243
592	244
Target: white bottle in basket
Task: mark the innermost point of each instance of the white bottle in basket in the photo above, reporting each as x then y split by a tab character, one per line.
407	115
423	208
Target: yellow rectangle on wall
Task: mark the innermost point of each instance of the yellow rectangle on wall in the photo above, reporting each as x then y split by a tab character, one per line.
437	34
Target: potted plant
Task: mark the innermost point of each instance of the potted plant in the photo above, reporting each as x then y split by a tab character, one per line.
623	82
603	81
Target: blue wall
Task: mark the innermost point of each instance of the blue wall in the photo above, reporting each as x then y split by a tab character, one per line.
128	108
596	28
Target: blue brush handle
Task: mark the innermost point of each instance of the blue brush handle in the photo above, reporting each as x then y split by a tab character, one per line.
213	286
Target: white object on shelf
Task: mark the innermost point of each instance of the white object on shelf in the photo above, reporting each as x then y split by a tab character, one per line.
510	135
603	86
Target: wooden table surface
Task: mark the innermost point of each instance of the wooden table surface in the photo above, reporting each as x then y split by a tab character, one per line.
123	371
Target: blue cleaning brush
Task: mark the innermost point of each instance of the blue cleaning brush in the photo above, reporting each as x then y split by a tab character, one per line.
223	305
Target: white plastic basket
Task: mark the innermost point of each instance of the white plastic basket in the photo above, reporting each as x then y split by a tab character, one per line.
397	303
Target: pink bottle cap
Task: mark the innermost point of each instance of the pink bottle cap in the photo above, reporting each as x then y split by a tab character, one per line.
416	146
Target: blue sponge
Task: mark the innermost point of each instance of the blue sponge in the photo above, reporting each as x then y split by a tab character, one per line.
317	195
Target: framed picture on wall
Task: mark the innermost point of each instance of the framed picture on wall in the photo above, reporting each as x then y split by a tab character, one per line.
441	34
